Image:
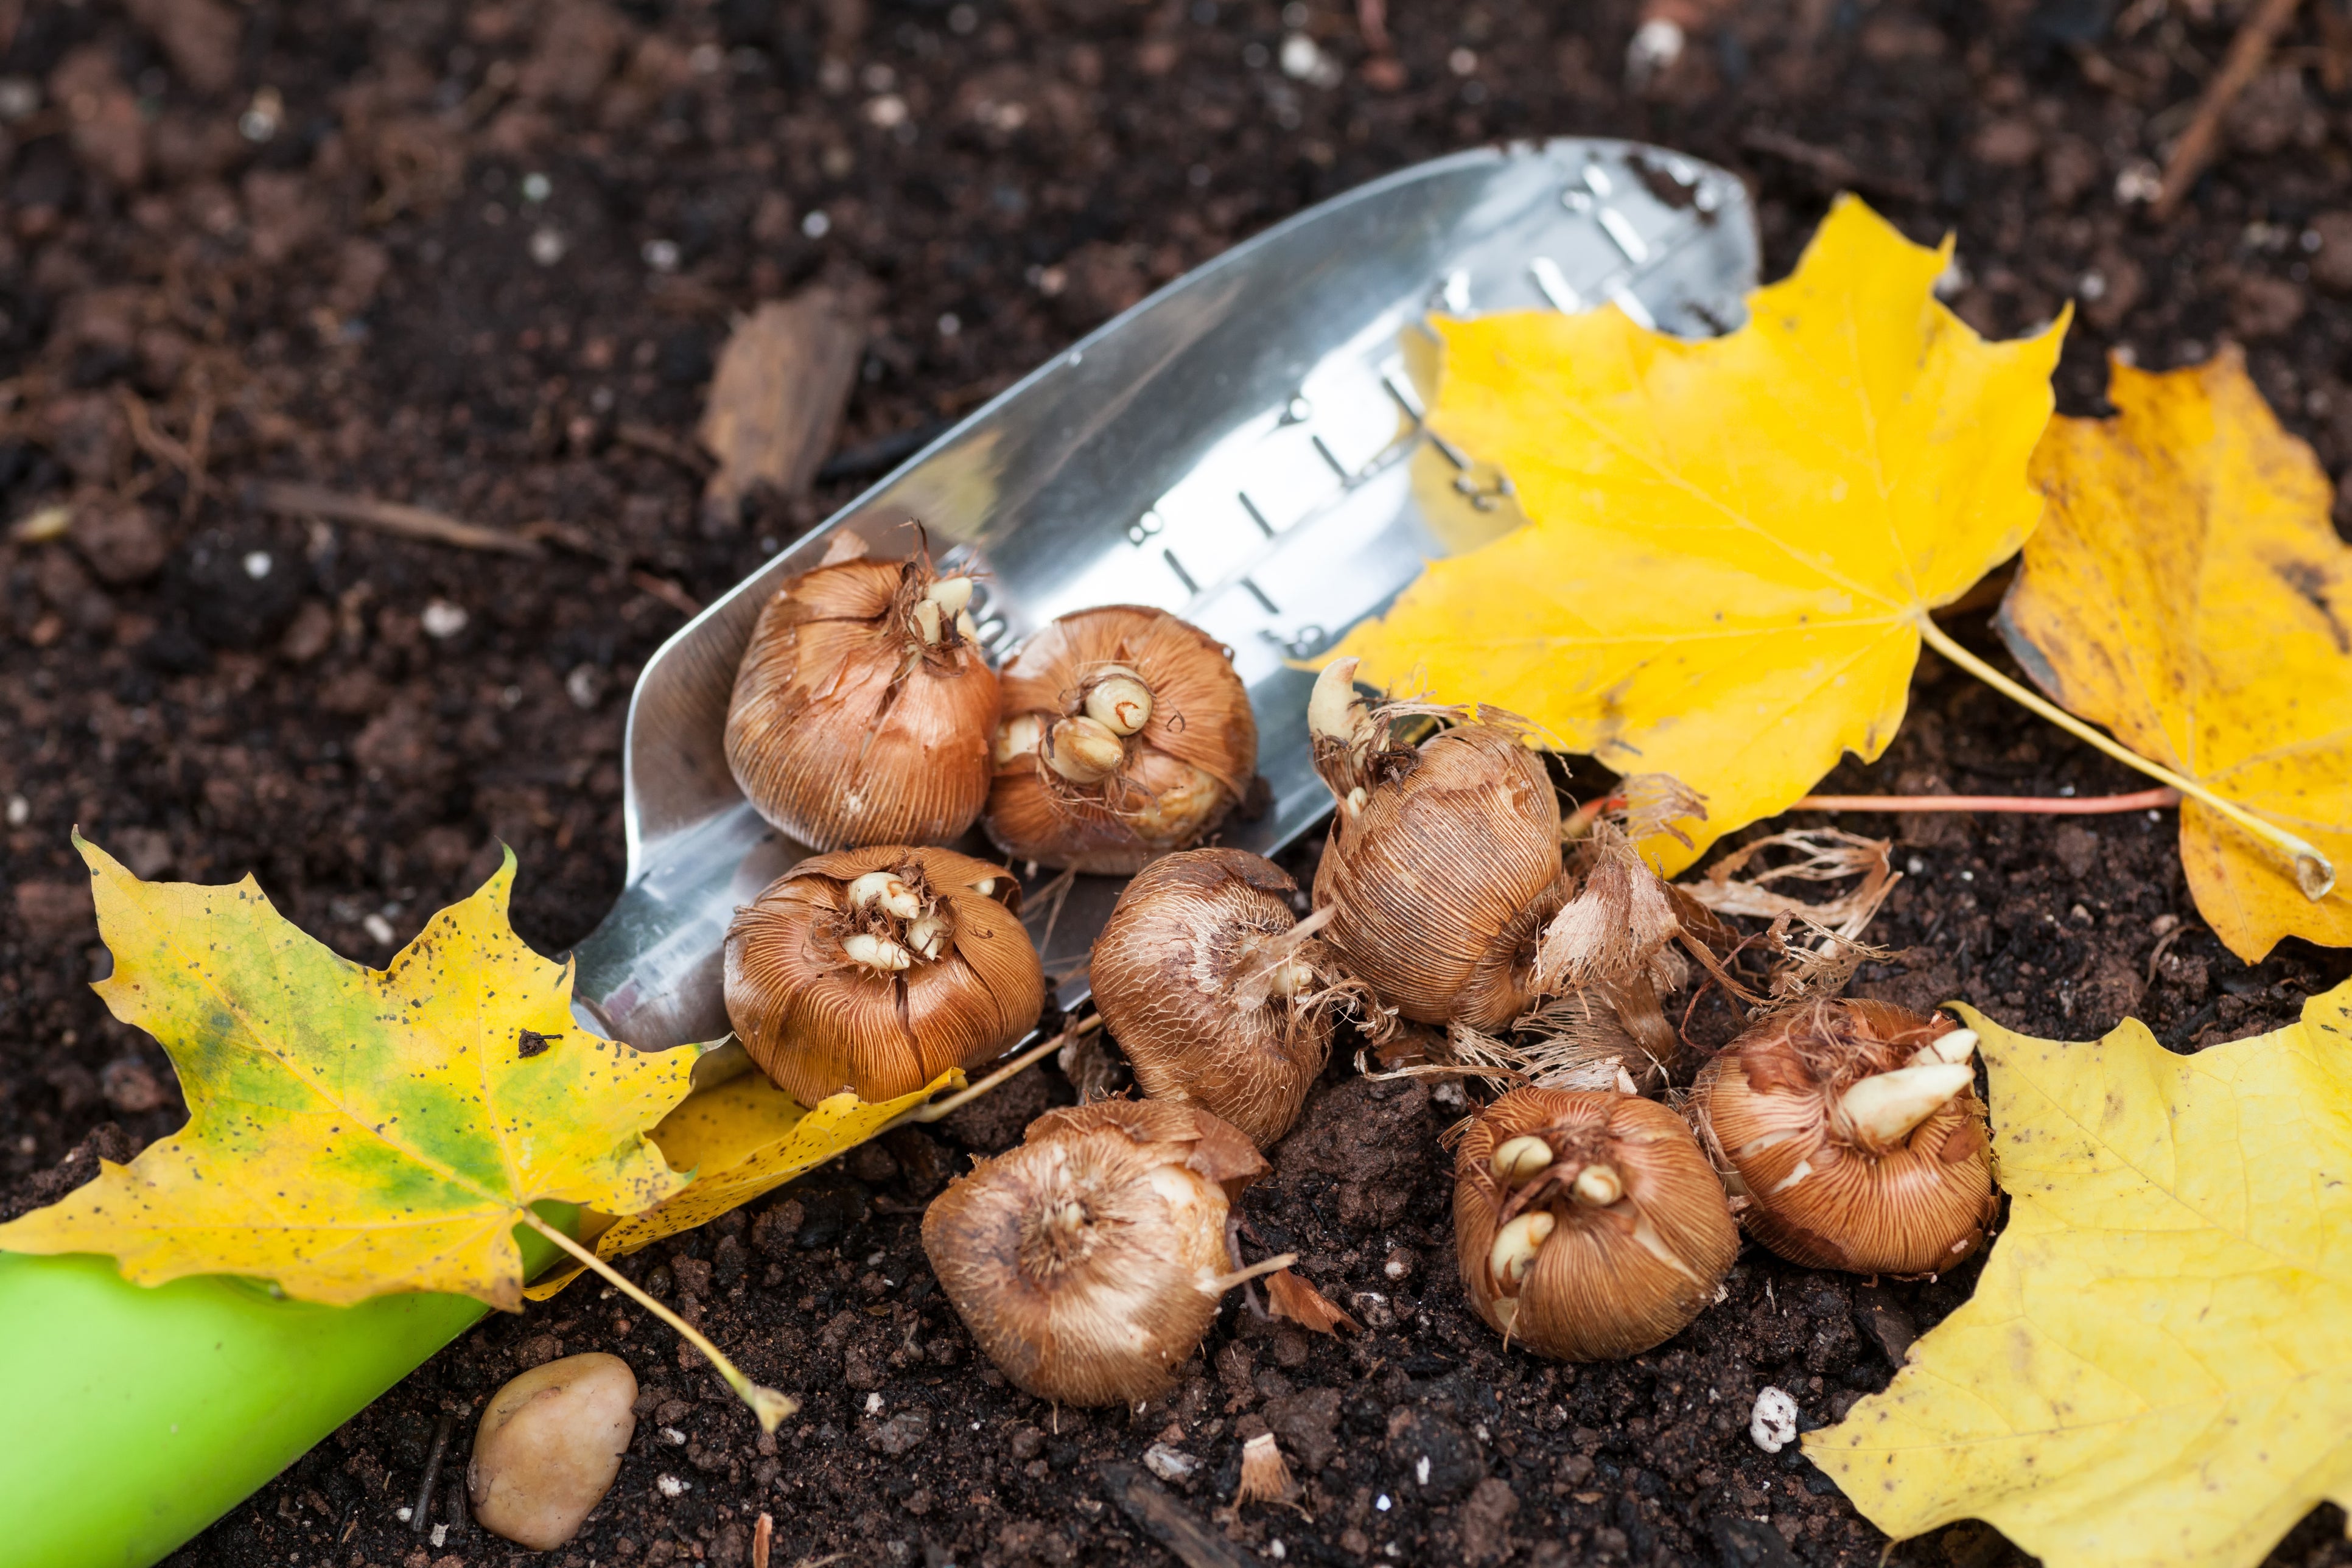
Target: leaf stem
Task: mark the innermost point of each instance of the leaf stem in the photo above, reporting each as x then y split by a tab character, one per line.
2027	804
767	1404
2314	873
940	1108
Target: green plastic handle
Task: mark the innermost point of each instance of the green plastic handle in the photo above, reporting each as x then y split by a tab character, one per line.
140	1416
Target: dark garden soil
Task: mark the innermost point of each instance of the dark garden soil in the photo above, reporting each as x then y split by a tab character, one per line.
480	256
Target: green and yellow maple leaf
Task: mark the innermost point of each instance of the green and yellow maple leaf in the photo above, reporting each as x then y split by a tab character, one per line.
354	1131
741	1138
2155	1368
1734	543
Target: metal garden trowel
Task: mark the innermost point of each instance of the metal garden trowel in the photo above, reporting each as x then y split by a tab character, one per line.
1245	449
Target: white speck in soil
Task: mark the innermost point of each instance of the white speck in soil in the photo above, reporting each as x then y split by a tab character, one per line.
584	686
1383	1502
379	928
674	1434
873	1404
546	246
671	1487
442	620
1773	1423
1915	865
661	254
258	564
20	811
816	225
1420	1469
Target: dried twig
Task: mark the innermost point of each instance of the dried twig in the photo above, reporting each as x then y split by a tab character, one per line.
1831	167
577	540
668	593
646	438
2249	51
297	499
424	1504
159	446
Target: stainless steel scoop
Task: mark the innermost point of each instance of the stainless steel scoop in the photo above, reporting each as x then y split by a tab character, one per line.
1244	449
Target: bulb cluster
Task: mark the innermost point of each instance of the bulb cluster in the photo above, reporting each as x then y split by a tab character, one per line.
1591	1222
867	721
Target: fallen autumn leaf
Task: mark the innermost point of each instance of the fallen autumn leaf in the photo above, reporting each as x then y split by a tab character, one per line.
1736	541
354	1131
2187	590
2155	1367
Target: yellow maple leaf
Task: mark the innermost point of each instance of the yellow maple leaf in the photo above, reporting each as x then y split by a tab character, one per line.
741	1139
1735	542
2187	591
353	1131
2155	1367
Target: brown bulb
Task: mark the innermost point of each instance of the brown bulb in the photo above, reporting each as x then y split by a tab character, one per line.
1587	1224
862	710
1089	1262
877	969
1444	861
1849	1136
1125	734
1202	980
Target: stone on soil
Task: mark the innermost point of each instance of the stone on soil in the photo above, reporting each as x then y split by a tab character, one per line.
549	1446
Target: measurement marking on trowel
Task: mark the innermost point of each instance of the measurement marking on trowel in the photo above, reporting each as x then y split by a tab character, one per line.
1554	286
1182	575
1625	299
1268	606
1407	398
1255	516
1621	232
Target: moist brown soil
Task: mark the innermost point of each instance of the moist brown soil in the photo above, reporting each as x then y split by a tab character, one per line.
371	291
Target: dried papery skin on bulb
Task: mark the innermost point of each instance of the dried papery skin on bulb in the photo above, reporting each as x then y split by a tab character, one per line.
1443	863
1815	1188
1635	1236
1623	939
862	710
1070	694
1199	978
817	1012
1089	1262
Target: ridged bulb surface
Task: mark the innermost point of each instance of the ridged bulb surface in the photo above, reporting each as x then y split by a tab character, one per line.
1600	1233
1089	1262
1201	983
1849	1138
1441	869
1124	734
875	970
862	708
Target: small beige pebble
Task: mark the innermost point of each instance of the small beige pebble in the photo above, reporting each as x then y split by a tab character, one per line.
549	1446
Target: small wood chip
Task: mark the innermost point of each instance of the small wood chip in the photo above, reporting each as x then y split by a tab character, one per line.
1158	1514
782	381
